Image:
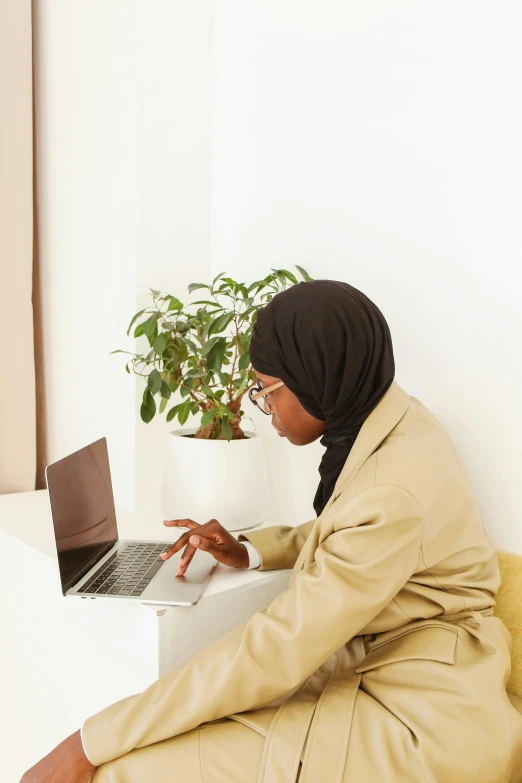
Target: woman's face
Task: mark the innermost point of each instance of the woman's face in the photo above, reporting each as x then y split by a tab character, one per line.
288	415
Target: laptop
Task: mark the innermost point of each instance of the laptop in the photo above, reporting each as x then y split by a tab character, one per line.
93	561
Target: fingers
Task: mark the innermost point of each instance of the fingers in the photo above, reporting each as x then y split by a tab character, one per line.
180	523
186	558
182	540
195	542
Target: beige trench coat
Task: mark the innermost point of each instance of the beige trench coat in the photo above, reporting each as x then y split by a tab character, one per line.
381	663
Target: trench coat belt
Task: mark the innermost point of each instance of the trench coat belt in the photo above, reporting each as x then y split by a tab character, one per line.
296	718
332	720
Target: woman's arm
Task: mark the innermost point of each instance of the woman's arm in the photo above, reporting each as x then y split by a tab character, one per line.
278	546
357	570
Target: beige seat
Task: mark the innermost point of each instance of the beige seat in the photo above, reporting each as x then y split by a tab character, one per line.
509	609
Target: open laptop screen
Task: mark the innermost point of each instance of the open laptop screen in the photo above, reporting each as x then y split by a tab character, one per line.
82	506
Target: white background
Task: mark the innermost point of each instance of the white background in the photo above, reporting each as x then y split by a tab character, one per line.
372	142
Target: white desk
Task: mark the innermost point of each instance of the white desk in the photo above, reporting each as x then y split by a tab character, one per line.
63	659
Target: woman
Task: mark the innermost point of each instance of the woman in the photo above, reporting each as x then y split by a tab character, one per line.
382	661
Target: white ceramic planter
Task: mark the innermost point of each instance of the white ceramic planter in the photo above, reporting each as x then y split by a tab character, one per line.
220	479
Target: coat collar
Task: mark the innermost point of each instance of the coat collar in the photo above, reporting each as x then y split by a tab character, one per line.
384	417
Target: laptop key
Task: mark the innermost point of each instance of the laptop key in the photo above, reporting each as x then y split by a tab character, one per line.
155	567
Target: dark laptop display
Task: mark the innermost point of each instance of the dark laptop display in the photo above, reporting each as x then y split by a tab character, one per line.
82	503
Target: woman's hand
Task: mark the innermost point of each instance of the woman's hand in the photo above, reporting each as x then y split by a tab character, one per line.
66	762
211	537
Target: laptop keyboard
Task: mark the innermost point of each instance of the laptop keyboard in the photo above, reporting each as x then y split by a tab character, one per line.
128	571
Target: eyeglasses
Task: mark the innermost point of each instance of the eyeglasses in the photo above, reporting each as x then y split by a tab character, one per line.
257	391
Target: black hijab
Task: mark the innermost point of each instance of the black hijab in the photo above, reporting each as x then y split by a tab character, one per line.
332	347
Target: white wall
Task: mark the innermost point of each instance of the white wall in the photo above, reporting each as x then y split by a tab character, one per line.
371	142
173	223
123	117
379	143
87	153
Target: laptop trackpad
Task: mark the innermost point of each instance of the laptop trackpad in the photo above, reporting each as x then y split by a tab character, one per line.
197	570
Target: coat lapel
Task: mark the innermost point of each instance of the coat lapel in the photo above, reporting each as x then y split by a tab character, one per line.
377	426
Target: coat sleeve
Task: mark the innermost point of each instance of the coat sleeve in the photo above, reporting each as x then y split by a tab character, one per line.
357	570
278	546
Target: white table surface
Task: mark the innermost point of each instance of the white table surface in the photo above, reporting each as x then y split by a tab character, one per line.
26	516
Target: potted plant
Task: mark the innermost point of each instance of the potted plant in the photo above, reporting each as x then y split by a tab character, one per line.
202	358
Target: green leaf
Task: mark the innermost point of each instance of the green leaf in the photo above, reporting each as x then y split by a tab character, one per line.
194	407
155	381
173	411
150	324
217	277
303	272
207	417
206	390
184	412
279	275
165	390
244	361
227	429
195	286
289	275
174	304
224	378
243	385
215	356
220	323
138	330
207	347
163	404
127	368
192	345
160	343
154	293
229	413
148	407
135	319
258	284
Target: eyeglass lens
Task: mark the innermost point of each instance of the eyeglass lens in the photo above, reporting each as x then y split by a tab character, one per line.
262	402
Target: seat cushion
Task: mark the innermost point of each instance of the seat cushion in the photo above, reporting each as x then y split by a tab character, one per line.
509	609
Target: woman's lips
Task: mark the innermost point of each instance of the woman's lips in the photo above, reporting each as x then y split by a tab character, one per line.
279	432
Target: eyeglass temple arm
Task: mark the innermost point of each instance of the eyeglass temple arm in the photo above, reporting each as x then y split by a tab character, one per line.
268	389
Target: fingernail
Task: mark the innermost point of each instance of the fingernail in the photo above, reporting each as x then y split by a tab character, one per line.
194	540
